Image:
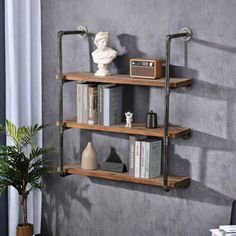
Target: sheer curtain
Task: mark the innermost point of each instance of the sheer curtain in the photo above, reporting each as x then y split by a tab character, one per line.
23	88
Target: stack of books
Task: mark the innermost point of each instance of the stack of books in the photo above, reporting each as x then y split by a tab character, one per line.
145	157
99	104
229	230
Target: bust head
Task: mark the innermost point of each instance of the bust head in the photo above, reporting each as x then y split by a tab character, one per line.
101	40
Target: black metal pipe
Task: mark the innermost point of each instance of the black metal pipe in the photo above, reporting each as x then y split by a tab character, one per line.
178	35
167	101
62	81
166	116
70	32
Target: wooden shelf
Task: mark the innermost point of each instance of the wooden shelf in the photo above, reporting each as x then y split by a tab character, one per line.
137	129
173	181
126	79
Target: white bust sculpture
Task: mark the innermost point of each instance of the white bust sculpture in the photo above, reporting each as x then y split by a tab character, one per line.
103	55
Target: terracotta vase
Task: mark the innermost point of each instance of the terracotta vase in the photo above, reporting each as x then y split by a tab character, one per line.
89	158
23	230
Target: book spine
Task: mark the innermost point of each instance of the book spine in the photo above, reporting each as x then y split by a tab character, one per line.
106	105
137	159
92	105
85	104
95	106
115	106
131	155
155	159
100	104
143	153
79	103
147	159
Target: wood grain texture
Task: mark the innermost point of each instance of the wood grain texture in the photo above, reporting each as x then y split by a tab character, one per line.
137	129
126	79
173	181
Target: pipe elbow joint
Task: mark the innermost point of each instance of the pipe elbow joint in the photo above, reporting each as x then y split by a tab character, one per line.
168	37
60	34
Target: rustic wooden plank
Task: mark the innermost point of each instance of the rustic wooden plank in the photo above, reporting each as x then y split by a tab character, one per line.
126	79
137	129
173	181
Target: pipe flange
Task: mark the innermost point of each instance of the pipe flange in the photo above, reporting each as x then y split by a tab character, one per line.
188	31
84	31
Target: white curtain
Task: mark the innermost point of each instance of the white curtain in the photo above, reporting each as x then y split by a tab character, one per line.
23	88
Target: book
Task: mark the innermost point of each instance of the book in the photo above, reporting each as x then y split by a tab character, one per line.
228	228
132	140
216	232
142	160
101	101
131	155
137	148
153	154
112	102
92	105
85	103
79	103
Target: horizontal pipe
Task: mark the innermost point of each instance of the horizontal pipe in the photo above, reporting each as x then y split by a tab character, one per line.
69	32
178	35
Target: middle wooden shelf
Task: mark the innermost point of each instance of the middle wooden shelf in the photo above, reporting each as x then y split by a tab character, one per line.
137	129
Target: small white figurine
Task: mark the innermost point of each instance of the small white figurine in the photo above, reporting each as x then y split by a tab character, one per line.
129	119
103	55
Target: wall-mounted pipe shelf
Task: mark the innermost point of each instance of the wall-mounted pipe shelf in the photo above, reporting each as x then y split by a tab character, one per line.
166	132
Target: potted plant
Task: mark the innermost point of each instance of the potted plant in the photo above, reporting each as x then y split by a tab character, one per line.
22	165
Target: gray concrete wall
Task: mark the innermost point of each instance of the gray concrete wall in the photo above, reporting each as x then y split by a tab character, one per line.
3	197
83	206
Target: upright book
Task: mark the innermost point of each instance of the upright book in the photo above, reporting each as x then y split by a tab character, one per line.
85	103
79	102
131	155
137	158
92	105
132	140
112	102
101	101
153	154
142	159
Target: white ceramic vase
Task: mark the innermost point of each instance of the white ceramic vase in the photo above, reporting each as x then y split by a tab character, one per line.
89	158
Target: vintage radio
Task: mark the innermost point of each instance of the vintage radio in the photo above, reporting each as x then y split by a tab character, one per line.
145	68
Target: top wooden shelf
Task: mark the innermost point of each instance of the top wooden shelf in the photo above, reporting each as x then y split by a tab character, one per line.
126	79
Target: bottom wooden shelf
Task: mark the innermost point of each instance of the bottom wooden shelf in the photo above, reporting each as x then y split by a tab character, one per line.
173	181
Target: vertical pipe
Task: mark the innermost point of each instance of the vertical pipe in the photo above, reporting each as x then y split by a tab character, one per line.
167	99
166	116
60	77
82	32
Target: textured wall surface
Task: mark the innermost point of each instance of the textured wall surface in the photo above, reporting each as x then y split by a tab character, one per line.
3	197
87	206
